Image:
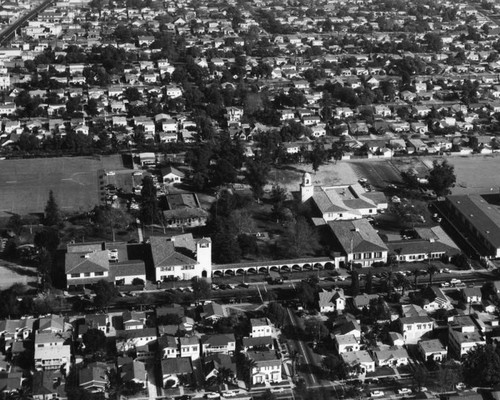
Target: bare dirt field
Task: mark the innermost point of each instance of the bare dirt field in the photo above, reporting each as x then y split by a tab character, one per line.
75	181
11	274
379	173
330	174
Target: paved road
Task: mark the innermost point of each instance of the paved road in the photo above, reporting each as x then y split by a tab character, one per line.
305	354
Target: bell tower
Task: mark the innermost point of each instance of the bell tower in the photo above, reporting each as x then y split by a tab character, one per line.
306	188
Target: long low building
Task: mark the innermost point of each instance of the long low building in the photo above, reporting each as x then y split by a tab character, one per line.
480	216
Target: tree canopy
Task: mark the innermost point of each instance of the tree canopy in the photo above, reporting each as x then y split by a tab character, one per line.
442	177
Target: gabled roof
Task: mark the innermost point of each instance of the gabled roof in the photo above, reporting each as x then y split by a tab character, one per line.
218	340
164	253
176	366
357	236
97	261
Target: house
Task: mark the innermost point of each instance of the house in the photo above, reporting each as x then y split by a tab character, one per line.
459	342
266	367
133	338
261	327
212	312
48	385
52	351
176	371
189	347
363	300
16	329
134	371
346	343
436	299
359	362
181	257
392	357
134	320
218	344
93	378
168	346
215	363
472	295
171	175
330	301
432	350
414	328
258	343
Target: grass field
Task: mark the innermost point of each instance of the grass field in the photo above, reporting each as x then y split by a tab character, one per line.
75	181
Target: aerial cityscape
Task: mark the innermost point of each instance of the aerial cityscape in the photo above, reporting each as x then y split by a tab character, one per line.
267	200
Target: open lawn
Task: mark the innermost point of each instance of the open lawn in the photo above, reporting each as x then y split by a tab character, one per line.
477	174
75	181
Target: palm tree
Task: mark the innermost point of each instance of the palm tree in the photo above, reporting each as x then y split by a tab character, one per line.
416	273
431	270
224	375
402	282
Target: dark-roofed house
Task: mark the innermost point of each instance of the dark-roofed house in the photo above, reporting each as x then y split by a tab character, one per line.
358	242
219	343
181	257
48	385
93	378
10	382
134	371
266	367
174	370
184	210
87	268
215	362
261	342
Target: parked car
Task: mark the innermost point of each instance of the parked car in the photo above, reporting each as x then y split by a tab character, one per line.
455	281
404	391
445	284
277	390
110	173
377	393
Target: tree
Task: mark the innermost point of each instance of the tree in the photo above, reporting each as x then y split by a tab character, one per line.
316	329
402	282
268	395
410	179
354	283
298	240
149	201
105	292
307	294
277	314
431	271
201	288
44	266
335	367
416	273
420	375
52	213
278	198
369	282
481	366
94	341
318	155
15	224
442	177
257	174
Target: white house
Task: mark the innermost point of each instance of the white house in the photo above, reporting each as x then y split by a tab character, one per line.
261	327
267	367
330	301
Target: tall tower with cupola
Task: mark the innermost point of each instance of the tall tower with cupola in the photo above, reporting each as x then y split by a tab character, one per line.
306	188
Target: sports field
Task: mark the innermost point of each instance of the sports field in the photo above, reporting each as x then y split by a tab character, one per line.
75	181
475	174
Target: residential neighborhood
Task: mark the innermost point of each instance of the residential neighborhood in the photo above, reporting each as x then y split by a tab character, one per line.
249	200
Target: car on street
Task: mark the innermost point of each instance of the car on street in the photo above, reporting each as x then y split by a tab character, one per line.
277	390
212	395
460	386
377	394
404	391
445	284
110	173
455	281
